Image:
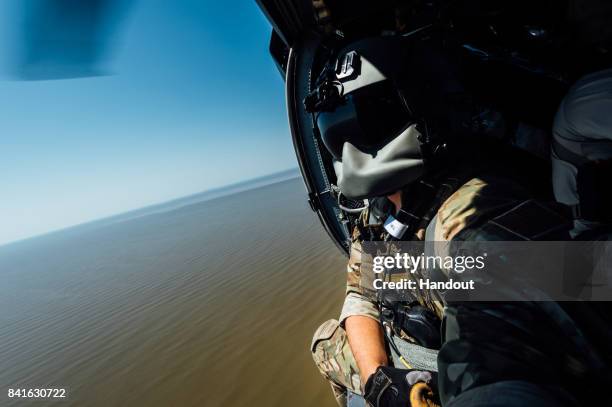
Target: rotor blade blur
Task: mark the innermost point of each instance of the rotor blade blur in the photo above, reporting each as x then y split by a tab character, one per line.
61	39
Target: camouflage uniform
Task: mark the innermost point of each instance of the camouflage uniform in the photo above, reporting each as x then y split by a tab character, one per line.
559	347
462	205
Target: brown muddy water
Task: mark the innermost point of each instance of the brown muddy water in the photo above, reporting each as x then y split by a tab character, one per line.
209	304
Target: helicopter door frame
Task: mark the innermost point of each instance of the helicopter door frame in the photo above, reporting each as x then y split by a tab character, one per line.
307	147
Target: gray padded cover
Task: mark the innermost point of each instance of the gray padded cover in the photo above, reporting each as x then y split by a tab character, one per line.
582	131
582	127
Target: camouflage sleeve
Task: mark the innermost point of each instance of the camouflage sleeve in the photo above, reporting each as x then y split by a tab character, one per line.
360	300
356	304
359	272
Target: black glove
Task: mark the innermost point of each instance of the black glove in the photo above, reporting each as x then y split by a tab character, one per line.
391	387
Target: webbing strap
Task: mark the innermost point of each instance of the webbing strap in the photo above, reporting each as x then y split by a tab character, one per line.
418	357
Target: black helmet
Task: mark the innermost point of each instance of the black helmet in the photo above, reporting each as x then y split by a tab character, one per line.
374	106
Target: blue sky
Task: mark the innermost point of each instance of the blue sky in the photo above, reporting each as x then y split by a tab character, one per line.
195	102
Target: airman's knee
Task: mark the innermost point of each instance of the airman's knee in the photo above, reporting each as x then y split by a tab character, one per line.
334	359
320	340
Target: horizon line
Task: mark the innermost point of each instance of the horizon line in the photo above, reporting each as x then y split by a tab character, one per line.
230	189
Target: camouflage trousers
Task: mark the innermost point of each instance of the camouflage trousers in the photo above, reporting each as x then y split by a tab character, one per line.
334	359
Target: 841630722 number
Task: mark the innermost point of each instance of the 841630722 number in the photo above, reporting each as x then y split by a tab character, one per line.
37	393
